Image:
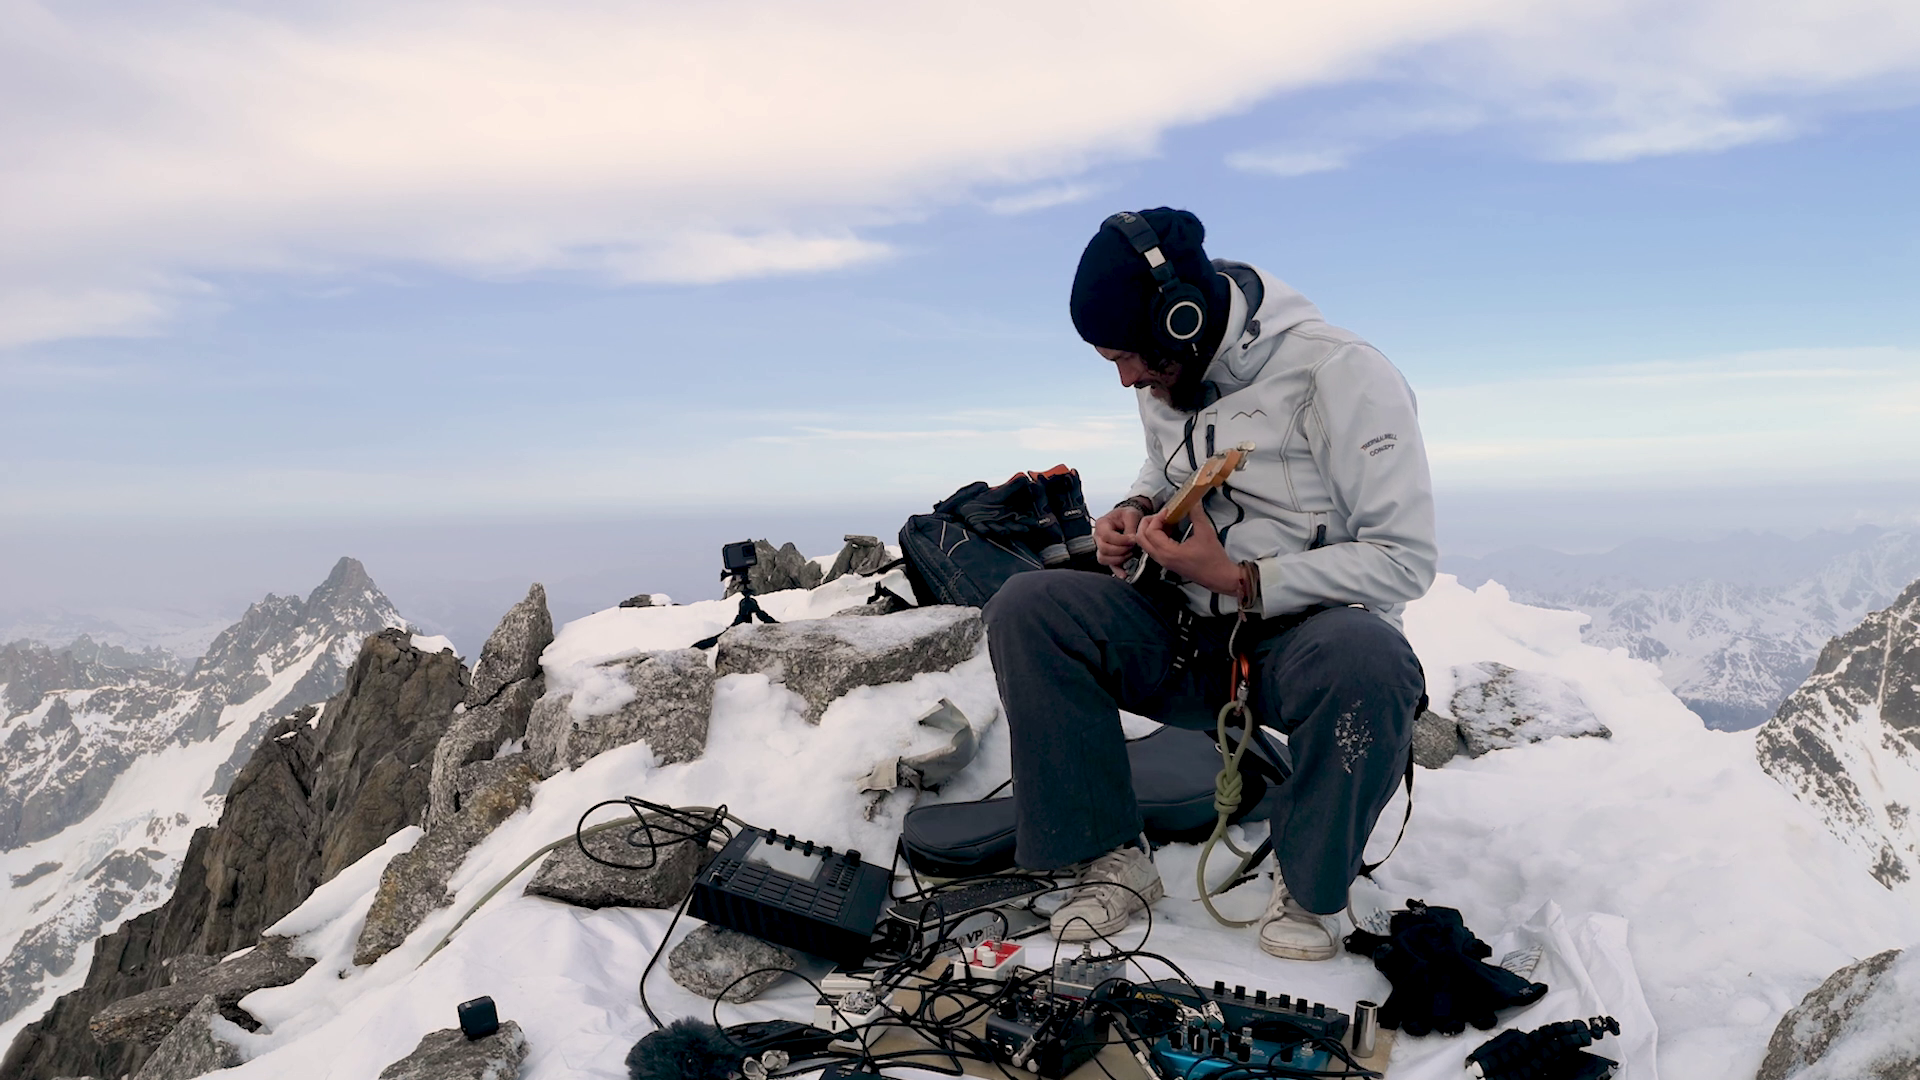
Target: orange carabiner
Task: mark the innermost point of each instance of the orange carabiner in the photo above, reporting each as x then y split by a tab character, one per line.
1242	678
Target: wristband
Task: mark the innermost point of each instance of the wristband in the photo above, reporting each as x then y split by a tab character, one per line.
1142	503
1250	587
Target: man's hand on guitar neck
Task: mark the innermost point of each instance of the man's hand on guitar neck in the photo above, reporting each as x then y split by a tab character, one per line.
1200	558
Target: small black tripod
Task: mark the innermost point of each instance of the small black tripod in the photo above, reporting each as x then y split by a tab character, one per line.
739	558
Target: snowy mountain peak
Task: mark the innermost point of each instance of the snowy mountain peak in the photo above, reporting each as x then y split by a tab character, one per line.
346	606
1847	742
106	755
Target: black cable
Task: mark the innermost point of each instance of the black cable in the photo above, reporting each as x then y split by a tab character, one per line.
669	825
655	958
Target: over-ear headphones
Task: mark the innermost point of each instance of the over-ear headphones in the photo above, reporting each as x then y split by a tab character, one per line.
1179	309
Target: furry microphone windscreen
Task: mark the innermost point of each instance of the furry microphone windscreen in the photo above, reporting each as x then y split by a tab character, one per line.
686	1049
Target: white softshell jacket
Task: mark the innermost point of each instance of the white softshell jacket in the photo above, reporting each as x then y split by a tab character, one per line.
1335	503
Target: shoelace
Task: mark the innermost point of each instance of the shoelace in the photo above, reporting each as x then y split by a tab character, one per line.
1098	884
1278	907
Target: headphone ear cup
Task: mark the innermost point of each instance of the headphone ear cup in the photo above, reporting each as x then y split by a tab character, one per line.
1179	318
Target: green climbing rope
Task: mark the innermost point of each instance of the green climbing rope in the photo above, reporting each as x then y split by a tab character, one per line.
1227	791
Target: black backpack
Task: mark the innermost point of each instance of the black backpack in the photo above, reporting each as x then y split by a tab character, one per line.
975	539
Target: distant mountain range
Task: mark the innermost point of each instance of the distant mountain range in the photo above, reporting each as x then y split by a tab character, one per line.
106	755
1735	624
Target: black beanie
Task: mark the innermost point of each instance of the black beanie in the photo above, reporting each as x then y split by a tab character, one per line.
1113	289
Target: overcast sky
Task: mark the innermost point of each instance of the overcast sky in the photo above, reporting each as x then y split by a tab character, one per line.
292	262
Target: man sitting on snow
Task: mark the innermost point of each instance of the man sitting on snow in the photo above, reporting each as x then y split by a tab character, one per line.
1320	539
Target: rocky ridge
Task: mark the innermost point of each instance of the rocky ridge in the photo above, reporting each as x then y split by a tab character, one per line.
1847	742
79	720
411	739
324	787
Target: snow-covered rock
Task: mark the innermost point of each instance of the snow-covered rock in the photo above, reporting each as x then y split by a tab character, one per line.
661	698
147	1018
415	883
1847	742
821	659
1496	706
448	1054
202	1042
1863	1021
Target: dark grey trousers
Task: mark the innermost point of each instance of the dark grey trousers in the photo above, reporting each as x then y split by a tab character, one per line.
1071	649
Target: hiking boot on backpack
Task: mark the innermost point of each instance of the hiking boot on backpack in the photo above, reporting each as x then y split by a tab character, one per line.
1107	894
1069	506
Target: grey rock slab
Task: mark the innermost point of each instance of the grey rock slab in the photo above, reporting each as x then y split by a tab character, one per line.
861	555
670	708
569	876
821	659
1436	740
1847	1027
475	735
448	1054
1497	707
512	651
146	1018
711	958
414	884
200	1043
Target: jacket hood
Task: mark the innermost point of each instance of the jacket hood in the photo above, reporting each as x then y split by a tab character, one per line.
1247	346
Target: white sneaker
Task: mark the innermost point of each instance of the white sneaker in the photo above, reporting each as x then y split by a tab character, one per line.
1290	931
1099	904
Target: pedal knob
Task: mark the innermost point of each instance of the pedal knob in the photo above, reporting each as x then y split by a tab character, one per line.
1259	997
1219	988
853	856
1240	992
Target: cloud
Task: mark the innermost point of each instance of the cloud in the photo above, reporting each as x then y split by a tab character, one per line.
1290	162
1788	415
31	313
1044	198
707	257
699	142
791	460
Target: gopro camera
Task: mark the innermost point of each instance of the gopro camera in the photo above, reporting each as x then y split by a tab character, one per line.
478	1018
738	558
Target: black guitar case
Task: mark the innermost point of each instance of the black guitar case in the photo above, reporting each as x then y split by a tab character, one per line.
1173	776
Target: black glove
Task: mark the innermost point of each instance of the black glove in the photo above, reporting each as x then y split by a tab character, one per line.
1440	980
